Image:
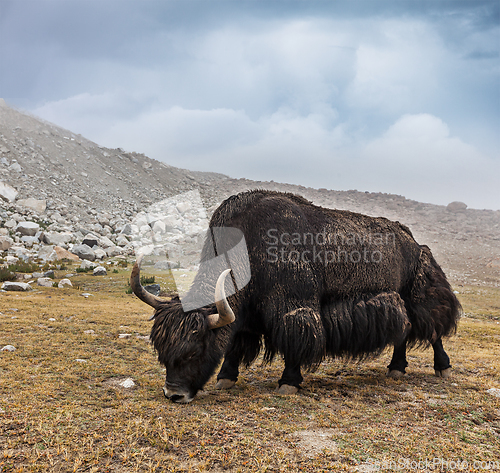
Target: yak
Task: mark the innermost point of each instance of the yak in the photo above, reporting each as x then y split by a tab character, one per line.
323	283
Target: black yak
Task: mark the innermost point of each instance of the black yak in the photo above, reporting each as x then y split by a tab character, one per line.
324	283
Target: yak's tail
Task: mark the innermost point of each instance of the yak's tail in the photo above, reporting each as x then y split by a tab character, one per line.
432	306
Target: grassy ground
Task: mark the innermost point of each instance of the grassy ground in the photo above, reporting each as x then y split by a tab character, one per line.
59	413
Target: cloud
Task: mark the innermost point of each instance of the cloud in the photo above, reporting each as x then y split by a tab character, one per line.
382	103
421	159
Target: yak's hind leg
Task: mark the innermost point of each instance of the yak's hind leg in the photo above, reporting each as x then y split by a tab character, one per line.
398	364
442	365
299	336
244	348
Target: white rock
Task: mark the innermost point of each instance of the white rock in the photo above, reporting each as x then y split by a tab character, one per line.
8	348
57	238
11	223
64	283
100	271
34	204
100	253
28	228
89	332
159	227
494	392
15	167
45	282
127	383
124	335
5	243
86	264
81	360
7	193
16	286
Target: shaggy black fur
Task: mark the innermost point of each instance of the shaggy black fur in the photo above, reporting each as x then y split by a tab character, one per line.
308	307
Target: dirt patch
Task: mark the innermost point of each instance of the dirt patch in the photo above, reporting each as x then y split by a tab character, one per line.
312	443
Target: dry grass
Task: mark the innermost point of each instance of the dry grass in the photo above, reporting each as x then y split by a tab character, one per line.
59	414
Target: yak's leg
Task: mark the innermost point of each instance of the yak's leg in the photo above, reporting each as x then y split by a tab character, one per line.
244	343
398	364
290	379
442	365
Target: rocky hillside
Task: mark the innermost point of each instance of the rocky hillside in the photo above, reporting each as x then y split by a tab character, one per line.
68	185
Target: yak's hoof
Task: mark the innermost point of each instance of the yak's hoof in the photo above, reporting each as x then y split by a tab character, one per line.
225	384
286	389
443	373
395	374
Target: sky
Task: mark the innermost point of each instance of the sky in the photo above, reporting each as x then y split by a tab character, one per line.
401	97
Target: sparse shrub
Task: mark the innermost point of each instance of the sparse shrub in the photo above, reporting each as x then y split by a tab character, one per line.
147	280
82	270
115	271
122	263
128	290
54	284
23	267
6	275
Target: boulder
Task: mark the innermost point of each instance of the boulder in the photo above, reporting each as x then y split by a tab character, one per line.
84	252
90	240
7	193
45	282
100	253
122	240
114	251
61	254
64	283
88	265
38	206
16	286
28	228
456	207
57	238
5	243
100	271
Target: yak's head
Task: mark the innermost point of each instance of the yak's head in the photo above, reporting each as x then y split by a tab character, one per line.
189	344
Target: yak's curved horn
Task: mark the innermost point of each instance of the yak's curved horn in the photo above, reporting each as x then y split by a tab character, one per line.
225	314
139	291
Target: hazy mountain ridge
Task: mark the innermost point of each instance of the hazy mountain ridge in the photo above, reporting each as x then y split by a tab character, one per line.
83	181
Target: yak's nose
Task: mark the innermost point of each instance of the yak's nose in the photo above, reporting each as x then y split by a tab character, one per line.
177	396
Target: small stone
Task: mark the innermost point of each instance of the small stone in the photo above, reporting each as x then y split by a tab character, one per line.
124	335
86	295
127	383
8	348
494	392
81	360
89	332
52	319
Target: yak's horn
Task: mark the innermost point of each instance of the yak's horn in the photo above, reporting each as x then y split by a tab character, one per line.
225	314
139	291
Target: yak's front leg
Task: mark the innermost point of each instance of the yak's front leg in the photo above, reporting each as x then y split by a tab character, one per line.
244	346
398	364
290	379
442	366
